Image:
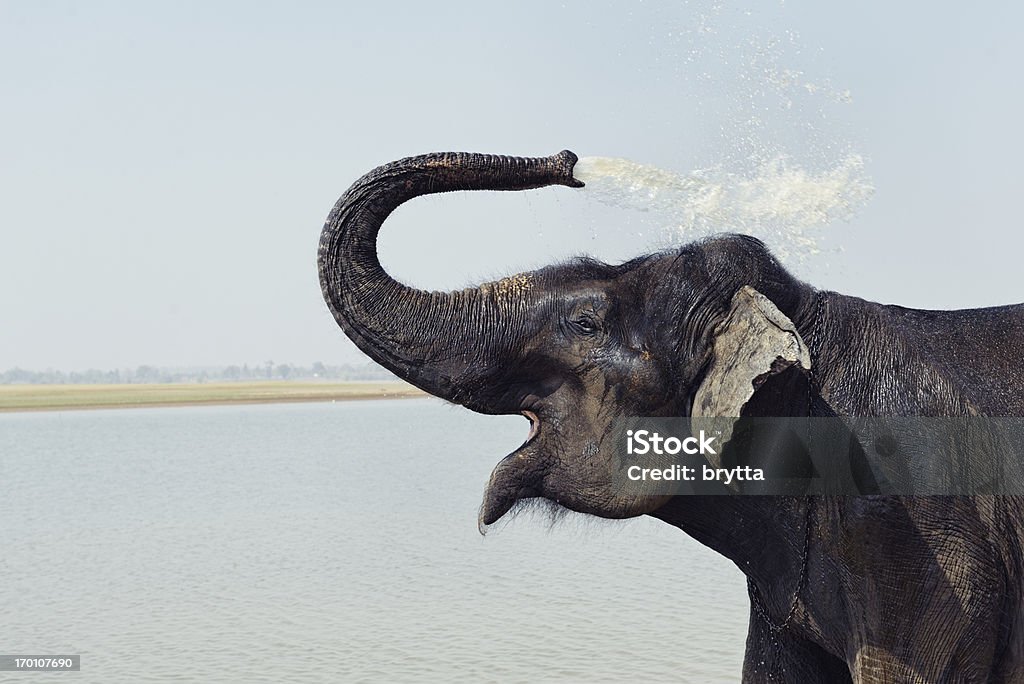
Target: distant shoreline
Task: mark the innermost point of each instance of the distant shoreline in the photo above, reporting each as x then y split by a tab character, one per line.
84	397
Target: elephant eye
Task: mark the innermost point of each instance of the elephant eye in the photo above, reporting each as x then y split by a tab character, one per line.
587	324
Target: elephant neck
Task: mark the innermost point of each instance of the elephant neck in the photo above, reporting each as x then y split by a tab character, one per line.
839	332
855	350
805	306
767	537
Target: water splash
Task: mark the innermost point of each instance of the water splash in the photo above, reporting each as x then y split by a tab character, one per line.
777	201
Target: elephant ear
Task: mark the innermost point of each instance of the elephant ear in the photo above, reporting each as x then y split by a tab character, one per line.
755	342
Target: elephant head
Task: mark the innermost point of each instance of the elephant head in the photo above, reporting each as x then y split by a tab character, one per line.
572	347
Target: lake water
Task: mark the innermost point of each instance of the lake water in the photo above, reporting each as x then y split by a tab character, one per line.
332	542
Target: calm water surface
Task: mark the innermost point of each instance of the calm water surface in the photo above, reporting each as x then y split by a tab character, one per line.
331	542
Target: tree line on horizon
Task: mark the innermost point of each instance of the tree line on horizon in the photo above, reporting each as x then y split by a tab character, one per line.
154	374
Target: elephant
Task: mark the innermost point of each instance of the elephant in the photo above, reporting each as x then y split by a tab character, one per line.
876	588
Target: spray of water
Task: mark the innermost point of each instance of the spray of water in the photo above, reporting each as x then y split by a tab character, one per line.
767	125
777	201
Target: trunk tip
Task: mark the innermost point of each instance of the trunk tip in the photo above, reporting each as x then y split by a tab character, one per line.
565	161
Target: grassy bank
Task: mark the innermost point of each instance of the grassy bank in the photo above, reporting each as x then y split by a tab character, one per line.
67	397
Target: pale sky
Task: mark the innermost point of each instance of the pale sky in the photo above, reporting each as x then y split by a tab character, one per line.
165	168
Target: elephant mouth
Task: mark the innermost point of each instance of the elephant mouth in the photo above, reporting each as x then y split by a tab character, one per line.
534	425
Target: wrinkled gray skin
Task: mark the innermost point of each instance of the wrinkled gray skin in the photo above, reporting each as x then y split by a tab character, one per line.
895	589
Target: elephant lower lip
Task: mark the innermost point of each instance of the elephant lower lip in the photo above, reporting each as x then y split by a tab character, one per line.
519	475
534	424
491	512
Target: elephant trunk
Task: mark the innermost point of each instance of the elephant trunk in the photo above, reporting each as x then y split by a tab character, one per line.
426	338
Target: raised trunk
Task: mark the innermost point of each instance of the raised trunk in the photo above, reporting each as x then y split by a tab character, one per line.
426	338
